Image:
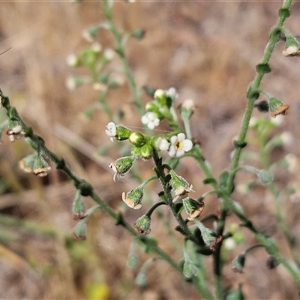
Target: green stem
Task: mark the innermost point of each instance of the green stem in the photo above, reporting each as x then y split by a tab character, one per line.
252	92
121	52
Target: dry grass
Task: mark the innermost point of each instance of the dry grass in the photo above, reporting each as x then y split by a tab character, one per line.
208	51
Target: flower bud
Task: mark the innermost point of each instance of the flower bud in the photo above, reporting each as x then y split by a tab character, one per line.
292	46
142	224
238	263
137	139
146	151
134	197
26	163
179	185
79	231
78	208
40	167
277	107
117	132
121	166
192	207
187	109
208	236
15	132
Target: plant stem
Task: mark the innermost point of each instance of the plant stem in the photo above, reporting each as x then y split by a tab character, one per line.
254	88
121	52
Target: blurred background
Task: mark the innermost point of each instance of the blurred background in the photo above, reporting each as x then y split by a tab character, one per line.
208	52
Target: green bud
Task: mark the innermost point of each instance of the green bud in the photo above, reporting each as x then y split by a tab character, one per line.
78	208
146	151
292	45
142	224
121	166
138	33
265	177
208	236
276	106
137	139
117	132
79	231
238	263
26	163
179	185
187	109
152	106
134	197
189	267
192	207
40	167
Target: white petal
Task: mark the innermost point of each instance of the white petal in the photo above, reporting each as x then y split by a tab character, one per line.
151	125
181	136
179	152
174	139
144	119
172	151
187	145
158	93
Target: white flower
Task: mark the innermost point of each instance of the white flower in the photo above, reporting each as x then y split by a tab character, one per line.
179	145
72	60
109	53
158	93
188	103
151	120
111	130
162	144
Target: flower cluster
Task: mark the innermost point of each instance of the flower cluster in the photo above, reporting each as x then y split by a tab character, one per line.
159	108
177	146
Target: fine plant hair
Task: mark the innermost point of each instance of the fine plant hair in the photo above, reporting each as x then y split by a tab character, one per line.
200	240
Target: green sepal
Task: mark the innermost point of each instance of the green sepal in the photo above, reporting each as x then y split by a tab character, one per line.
223	178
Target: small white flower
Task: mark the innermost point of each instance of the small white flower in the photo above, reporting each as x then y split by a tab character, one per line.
179	145
162	144
109	53
72	60
151	120
188	103
111	130
229	244
158	93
